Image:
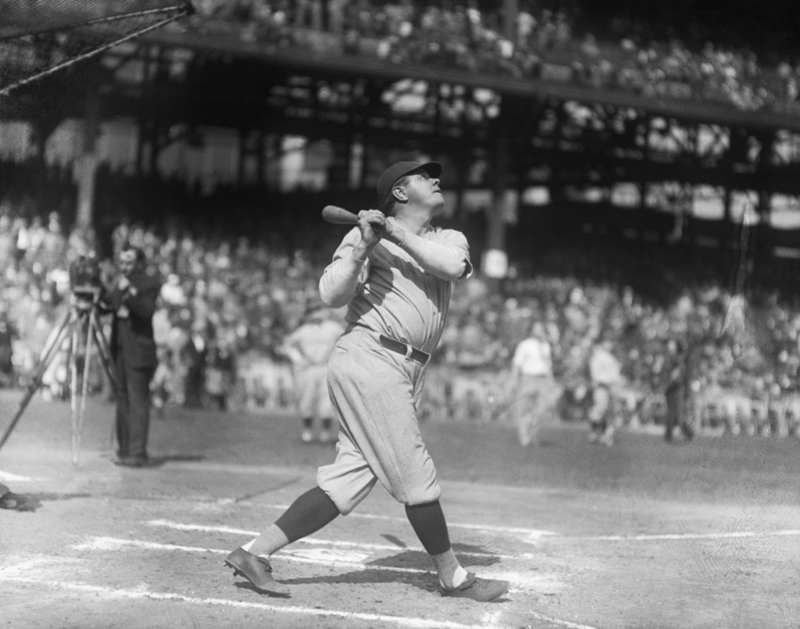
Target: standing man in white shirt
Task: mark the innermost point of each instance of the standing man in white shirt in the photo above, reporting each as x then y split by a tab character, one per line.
534	389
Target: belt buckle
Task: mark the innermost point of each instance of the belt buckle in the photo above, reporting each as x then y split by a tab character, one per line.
409	351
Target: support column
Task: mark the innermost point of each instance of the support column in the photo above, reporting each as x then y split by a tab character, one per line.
86	164
510	12
495	258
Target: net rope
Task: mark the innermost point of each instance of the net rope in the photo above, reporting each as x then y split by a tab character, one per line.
40	37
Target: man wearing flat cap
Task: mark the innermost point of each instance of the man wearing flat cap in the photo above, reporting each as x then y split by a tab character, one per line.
394	273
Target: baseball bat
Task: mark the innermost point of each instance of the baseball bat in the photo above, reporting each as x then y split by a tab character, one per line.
338	215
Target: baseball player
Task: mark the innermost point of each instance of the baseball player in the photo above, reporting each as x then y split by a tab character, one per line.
535	392
394	273
605	374
309	348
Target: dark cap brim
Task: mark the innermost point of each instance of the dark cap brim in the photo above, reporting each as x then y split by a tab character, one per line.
434	169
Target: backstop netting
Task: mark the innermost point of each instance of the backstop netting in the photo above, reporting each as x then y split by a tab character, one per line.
39	37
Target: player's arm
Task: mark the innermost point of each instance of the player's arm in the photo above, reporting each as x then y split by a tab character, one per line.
343	277
447	260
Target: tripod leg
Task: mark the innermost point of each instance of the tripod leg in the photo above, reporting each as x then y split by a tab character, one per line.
47	357
103	349
73	380
87	360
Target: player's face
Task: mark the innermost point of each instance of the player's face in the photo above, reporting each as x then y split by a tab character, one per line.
423	189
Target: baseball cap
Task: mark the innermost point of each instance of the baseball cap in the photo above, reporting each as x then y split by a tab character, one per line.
399	170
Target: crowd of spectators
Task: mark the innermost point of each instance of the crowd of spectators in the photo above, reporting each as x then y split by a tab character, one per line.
226	307
548	41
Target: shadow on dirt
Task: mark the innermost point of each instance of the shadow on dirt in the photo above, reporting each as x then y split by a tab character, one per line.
426	582
394	569
394	540
246	585
156	461
468	555
32	502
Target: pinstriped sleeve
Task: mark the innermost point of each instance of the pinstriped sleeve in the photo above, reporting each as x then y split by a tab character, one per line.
345	275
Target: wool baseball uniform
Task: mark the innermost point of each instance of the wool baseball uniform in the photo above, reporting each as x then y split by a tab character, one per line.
387	294
536	391
394	274
312	343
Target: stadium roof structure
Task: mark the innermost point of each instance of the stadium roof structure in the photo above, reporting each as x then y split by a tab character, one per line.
363	66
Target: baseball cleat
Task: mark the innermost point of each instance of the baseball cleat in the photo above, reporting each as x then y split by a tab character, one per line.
255	569
481	590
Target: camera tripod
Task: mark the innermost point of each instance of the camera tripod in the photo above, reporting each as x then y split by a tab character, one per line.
82	328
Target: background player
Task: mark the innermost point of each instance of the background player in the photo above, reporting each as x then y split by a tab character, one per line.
394	273
309	348
534	390
605	374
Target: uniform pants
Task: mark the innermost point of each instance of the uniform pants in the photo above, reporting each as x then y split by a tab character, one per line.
678	413
311	391
133	408
535	398
375	393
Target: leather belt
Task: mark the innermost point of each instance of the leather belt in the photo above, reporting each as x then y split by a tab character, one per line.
406	350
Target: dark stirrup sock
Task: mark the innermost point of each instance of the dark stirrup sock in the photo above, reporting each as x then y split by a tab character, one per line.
429	524
308	514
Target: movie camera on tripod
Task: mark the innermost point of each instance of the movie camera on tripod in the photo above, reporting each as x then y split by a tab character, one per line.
85	281
82	326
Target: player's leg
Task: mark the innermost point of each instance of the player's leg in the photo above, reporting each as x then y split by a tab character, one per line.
340	487
523	412
307	436
386	429
304	394
429	524
306	515
671	416
323	407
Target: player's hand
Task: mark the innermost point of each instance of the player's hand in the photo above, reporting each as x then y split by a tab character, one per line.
372	224
392	232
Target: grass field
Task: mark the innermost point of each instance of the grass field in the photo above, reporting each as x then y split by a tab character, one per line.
640	535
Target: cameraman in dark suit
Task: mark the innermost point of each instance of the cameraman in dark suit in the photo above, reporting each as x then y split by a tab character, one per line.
132	300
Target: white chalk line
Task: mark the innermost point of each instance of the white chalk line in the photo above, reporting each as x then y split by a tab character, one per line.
557	621
550	536
352	561
403	621
312	540
680	536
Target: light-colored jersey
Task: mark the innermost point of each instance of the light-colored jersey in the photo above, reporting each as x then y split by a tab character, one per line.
394	295
532	357
313	342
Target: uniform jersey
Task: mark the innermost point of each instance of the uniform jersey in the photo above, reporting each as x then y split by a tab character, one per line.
533	358
313	342
390	294
394	295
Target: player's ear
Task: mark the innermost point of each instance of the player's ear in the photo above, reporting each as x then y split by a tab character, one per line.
399	193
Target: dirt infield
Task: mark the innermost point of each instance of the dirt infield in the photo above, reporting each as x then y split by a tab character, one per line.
641	535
